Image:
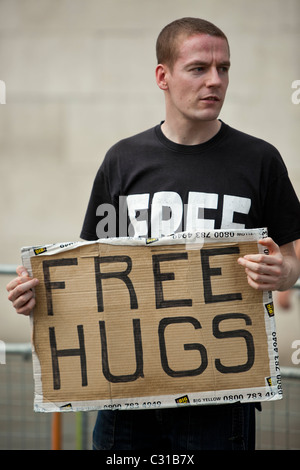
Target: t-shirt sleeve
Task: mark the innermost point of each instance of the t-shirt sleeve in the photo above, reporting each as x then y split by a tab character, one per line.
100	195
282	207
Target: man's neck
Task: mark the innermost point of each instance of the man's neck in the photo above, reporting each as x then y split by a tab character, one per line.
191	134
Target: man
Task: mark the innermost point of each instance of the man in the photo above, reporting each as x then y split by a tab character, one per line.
192	171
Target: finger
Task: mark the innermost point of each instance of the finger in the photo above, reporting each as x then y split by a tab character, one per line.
264	278
264	259
23	299
23	277
270	244
12	284
16	281
27	308
20	289
256	265
259	286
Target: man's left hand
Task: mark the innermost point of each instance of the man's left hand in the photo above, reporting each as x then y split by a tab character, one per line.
277	270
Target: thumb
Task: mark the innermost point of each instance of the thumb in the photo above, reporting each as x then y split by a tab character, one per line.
271	246
21	271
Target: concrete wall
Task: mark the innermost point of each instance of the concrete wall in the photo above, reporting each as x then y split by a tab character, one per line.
79	75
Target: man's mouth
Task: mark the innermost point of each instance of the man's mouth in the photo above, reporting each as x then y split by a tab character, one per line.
210	98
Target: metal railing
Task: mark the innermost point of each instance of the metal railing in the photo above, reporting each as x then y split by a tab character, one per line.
8	268
20	427
278	425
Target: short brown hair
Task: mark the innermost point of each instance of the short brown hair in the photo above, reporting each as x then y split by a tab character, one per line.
166	44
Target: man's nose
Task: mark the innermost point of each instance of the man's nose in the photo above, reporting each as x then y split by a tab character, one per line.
213	77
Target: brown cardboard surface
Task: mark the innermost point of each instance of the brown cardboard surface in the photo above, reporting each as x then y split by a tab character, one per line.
141	325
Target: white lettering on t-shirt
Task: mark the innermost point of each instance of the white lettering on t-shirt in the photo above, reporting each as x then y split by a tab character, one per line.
197	202
169	216
231	205
166	213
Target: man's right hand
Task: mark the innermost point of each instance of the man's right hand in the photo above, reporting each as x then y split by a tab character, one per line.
21	292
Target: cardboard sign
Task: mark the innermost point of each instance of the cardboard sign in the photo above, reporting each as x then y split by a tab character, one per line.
135	323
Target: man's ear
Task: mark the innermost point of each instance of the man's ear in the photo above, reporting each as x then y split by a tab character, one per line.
161	76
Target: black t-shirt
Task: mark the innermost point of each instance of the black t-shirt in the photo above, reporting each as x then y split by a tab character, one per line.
233	180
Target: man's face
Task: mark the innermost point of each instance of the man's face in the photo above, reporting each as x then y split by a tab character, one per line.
197	83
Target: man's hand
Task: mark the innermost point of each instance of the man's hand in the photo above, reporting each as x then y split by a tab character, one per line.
21	291
278	270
